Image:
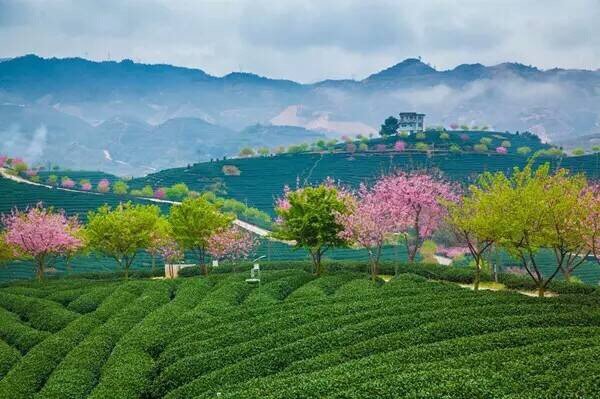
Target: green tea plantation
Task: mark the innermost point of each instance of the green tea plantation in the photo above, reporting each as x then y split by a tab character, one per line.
294	336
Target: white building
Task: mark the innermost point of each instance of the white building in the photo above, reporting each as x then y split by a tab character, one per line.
411	122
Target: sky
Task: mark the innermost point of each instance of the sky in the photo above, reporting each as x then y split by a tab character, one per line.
306	40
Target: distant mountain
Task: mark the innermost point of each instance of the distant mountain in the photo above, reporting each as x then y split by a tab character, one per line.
148	116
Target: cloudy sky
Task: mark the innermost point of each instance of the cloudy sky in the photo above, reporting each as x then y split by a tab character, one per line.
306	40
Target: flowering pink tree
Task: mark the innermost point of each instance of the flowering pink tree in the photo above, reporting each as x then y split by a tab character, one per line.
67	182
380	147
400	146
351	147
160	193
501	150
31	172
3	159
591	230
42	234
367	225
415	201
103	186
454	126
85	185
171	253
231	244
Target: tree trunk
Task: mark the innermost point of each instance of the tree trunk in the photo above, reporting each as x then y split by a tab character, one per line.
477	279
40	270
541	291
567	274
153	264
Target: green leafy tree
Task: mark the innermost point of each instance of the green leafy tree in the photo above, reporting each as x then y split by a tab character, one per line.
486	141
506	144
523	201
444	136
596	148
307	216
480	147
363	147
52	180
421	147
147	191
194	222
578	151
123	232
390	127
7	252
477	219
120	187
263	151
455	148
177	192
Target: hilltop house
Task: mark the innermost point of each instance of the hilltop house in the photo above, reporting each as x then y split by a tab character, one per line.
411	122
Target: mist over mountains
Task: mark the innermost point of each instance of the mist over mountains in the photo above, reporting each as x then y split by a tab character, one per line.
130	118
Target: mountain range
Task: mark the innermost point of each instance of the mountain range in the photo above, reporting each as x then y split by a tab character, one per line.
132	118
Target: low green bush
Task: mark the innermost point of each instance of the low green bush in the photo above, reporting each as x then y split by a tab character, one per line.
40	313
18	334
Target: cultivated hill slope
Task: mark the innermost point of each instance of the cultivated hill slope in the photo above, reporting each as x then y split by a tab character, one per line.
262	179
338	336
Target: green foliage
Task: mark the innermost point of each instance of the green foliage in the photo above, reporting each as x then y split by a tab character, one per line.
420	136
122	232
177	192
309	219
596	148
524	150
421	146
194	221
295	149
578	151
506	144
444	136
390	127
263	151
147	191
362	147
455	149
120	187
52	180
480	147
487	141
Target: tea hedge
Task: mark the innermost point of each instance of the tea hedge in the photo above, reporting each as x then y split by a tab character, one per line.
338	336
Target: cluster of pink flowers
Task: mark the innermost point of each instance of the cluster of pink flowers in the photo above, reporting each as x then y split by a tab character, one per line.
400	146
86	186
31	172
3	159
232	244
103	186
160	193
380	147
369	223
501	150
454	126
38	232
170	251
415	201
67	183
464	137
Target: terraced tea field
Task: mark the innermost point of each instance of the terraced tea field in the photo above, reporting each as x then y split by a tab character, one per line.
295	336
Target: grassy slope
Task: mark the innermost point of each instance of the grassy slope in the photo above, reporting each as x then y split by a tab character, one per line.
339	336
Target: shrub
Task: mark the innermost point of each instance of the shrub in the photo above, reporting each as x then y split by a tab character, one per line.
523	150
421	147
480	148
444	136
455	149
231	170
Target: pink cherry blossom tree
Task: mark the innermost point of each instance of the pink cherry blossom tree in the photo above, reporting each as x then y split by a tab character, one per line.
3	159
591	230
400	146
367	225
85	185
67	182
415	202
103	186
501	150
171	252
231	244
42	234
160	193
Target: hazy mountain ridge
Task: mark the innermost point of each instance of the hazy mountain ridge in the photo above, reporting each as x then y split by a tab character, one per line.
152	116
